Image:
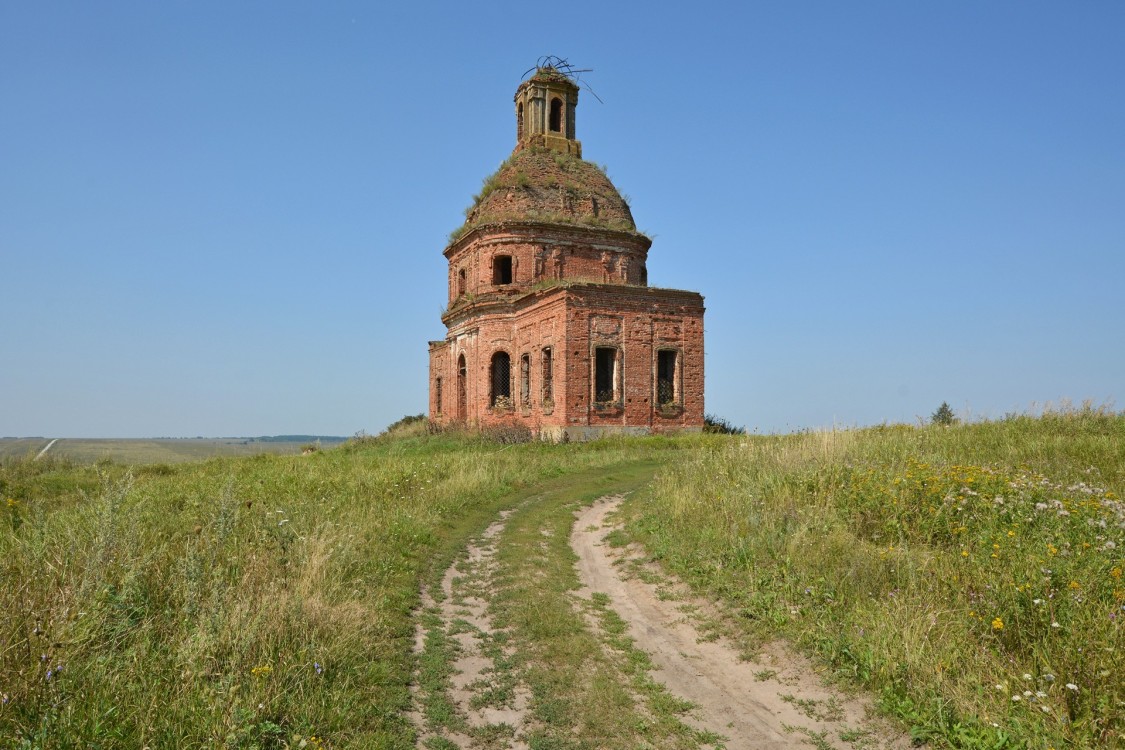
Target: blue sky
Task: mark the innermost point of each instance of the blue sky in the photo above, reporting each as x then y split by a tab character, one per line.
228	218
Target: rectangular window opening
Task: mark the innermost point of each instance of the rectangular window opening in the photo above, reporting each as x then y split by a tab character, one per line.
666	362
502	270
437	396
606	372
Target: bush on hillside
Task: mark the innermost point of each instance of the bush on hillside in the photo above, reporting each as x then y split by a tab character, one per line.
718	426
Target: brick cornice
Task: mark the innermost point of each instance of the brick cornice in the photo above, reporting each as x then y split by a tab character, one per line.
537	231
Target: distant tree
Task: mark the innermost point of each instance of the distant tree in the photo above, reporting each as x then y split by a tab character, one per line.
943	415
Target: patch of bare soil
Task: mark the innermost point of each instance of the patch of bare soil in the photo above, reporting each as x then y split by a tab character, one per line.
489	702
773	701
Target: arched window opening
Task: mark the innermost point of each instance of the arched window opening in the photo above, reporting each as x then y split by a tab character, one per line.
462	388
556	115
519	122
502	270
501	391
437	396
525	381
461	283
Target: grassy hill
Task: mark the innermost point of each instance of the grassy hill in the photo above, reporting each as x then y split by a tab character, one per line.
267	601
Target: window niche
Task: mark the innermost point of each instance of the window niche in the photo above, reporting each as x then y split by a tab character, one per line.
607	377
461	282
669	393
525	382
500	381
462	388
501	270
437	396
548	380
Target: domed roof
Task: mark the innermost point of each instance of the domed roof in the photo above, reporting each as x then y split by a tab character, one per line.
541	185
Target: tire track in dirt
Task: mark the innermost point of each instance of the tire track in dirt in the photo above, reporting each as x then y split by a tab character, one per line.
774	701
489	704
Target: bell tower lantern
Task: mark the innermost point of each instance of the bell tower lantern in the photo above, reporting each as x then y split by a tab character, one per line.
545	105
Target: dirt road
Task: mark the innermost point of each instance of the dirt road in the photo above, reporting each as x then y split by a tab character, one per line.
541	634
45	449
775	701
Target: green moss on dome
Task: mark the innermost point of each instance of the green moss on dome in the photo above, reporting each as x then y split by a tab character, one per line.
549	187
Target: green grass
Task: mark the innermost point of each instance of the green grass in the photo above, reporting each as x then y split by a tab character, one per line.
237	602
966	574
262	601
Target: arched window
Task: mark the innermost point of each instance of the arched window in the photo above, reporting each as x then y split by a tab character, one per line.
501	381
461	282
556	115
519	122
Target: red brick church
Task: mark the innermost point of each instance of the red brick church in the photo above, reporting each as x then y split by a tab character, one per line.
551	322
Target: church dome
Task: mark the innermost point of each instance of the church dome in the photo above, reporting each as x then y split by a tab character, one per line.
545	186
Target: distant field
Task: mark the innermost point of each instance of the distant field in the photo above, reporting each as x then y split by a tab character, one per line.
155	450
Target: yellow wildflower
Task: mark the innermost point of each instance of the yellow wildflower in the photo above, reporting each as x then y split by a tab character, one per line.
261	671
997	624
1116	572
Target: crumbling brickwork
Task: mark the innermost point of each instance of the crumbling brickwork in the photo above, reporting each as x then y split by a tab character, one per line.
551	322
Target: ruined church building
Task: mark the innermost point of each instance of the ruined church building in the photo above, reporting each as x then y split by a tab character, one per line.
551	322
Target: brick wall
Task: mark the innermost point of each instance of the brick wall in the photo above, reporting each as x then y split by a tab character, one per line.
539	255
572	322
